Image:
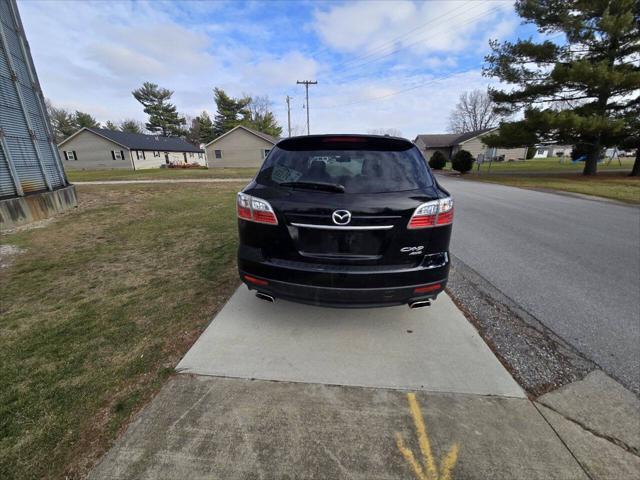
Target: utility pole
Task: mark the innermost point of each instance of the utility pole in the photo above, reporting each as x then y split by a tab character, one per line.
306	84
289	114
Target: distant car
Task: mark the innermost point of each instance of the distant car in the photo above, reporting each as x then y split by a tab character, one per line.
345	221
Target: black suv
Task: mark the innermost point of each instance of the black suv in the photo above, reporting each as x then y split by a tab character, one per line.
345	221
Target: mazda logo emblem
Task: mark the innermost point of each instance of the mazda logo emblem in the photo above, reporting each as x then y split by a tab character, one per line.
341	217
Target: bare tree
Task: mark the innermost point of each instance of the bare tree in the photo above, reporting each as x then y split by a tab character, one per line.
474	111
259	105
393	132
261	116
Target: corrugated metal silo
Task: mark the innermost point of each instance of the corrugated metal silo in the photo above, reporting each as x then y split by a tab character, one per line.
29	160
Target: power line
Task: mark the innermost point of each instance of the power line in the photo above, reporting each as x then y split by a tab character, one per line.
374	60
392	94
414	87
384	45
406	34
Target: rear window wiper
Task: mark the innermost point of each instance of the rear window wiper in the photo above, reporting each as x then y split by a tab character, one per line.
329	187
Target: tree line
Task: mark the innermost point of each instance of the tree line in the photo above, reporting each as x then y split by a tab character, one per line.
584	92
164	119
65	122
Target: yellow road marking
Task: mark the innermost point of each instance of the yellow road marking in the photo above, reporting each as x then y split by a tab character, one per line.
423	438
430	470
408	456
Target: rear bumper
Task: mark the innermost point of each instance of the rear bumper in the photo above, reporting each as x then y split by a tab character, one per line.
342	297
342	285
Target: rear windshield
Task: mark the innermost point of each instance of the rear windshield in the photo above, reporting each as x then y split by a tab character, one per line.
358	171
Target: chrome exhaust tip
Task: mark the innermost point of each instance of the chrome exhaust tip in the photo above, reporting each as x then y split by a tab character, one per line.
420	303
266	297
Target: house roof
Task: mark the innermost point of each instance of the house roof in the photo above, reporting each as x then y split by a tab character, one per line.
271	139
139	141
450	139
552	145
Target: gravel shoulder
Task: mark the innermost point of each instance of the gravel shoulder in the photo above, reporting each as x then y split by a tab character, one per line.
538	359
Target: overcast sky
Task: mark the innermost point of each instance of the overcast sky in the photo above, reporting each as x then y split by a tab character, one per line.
90	55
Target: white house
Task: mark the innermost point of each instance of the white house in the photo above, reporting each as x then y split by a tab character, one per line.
99	148
544	151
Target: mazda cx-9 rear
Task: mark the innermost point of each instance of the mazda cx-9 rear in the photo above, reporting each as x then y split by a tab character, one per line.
346	221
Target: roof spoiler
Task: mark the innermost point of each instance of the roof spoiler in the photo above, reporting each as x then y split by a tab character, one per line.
345	142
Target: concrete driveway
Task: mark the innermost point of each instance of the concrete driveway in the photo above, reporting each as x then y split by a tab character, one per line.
432	348
285	391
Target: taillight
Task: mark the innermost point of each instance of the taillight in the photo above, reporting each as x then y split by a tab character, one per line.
435	213
255	210
256	281
427	288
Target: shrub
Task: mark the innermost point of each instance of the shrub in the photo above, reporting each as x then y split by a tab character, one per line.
437	160
462	161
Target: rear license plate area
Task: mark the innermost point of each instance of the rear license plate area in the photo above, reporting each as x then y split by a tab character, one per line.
333	242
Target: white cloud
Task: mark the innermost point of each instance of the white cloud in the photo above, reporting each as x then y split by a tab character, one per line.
439	62
280	71
352	26
89	56
423	27
359	108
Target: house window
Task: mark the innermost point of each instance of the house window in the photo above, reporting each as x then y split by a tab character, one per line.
199	154
218	153
140	154
265	152
70	155
156	154
117	154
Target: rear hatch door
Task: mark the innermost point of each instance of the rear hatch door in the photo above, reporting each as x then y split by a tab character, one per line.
346	199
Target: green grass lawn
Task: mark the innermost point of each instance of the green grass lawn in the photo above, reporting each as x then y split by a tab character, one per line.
159	174
550	174
616	186
97	312
545	165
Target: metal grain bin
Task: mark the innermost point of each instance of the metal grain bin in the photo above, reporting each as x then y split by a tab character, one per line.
29	159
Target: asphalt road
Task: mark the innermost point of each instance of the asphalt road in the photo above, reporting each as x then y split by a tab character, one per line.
572	263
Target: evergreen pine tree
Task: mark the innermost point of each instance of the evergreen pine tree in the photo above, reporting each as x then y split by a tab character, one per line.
206	129
82	119
230	112
580	92
131	126
163	116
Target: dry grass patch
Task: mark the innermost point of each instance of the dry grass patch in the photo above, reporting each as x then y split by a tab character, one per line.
97	313
159	174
